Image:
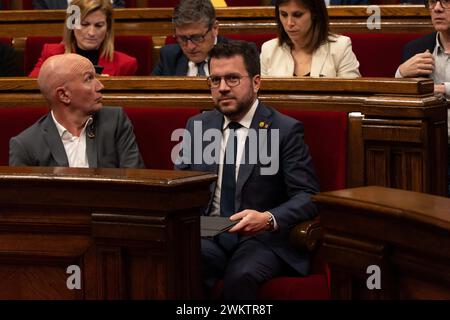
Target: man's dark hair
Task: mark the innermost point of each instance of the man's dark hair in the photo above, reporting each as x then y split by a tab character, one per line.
244	49
194	11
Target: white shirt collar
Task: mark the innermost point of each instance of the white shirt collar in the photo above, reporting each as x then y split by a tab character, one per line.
63	131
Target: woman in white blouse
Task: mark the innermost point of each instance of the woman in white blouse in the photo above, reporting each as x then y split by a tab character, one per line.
305	46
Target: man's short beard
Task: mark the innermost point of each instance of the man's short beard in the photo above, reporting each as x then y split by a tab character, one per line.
241	108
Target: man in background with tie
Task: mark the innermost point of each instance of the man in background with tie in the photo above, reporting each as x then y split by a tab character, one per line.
196	32
268	203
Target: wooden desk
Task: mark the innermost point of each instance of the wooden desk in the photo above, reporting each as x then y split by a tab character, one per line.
157	21
405	234
134	233
400	140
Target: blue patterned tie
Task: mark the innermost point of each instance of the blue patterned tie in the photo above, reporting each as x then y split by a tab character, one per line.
201	69
228	187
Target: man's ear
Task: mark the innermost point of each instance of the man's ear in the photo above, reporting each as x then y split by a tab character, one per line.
215	28
256	83
62	95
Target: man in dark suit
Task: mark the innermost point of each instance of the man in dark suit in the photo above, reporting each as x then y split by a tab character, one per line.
428	56
268	196
196	32
62	4
77	132
8	67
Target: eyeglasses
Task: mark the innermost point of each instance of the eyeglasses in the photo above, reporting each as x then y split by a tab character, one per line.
232	80
195	38
430	4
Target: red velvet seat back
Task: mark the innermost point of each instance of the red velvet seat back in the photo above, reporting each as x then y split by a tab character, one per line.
153	129
12	122
326	136
7	41
139	47
379	54
6	4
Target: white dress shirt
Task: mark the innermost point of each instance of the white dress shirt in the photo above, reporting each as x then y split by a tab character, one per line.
75	146
241	134
192	66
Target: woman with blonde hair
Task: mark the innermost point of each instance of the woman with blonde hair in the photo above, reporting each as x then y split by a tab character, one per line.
93	39
305	46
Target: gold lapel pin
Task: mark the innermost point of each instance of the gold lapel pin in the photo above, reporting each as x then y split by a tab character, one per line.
264	125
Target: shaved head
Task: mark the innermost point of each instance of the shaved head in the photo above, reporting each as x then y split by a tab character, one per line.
58	70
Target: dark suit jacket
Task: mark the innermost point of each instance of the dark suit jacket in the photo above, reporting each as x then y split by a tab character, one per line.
8	67
113	145
172	60
62	4
121	65
419	45
285	194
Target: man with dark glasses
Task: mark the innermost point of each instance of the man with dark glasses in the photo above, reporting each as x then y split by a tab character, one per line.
196	32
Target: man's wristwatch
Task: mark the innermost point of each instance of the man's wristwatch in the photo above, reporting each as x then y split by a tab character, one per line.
270	222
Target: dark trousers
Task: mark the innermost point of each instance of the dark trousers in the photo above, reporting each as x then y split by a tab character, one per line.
243	270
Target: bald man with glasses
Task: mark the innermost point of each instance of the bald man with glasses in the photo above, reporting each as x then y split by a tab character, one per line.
429	56
196	33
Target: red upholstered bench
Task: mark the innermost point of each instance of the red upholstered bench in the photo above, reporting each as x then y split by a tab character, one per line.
325	134
7	41
379	54
153	128
13	121
139	47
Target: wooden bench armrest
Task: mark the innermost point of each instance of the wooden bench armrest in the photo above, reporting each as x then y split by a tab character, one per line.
306	235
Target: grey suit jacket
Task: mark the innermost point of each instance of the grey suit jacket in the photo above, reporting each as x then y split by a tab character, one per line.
110	143
286	194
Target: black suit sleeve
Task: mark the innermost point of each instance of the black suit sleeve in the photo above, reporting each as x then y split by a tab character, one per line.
299	178
8	67
39	5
